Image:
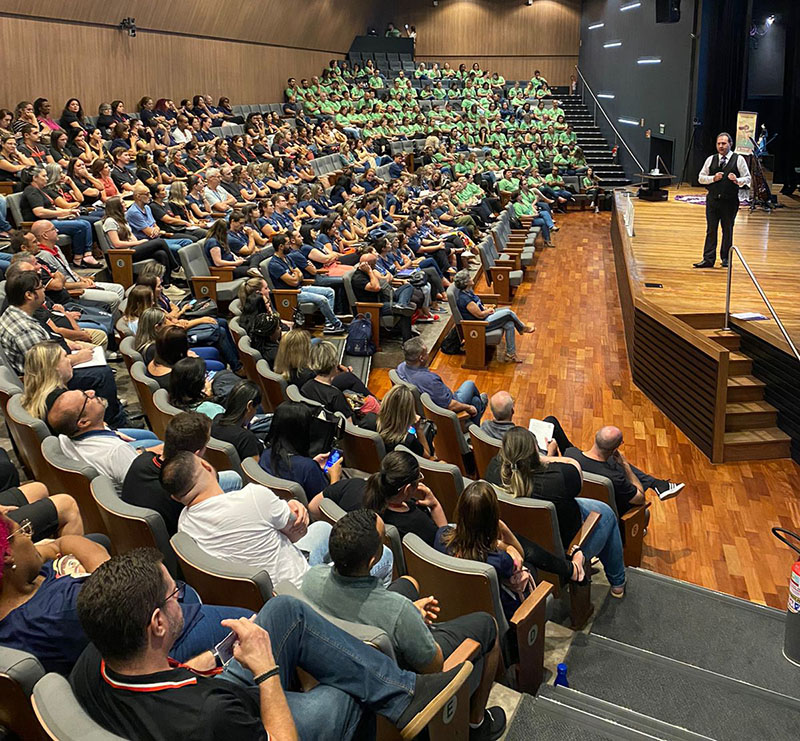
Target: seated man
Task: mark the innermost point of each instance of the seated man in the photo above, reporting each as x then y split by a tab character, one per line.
142	222
370	287
123	177
128	683
87	289
251	526
606	459
77	418
217	200
142	485
347	591
413	370
47	516
502	408
285	274
20	330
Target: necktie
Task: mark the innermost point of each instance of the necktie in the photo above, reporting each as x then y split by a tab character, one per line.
723	161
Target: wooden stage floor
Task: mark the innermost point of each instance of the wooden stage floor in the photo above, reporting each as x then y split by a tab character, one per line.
717	532
668	238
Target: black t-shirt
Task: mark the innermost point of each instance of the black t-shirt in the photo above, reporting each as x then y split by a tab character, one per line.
160	210
329	396
246	442
300	377
33	197
142	488
347	493
558	483
166	705
121	175
360	280
416	520
411	442
624	490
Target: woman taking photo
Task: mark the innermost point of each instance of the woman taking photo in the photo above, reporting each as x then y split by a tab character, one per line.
399	423
232	426
525	472
480	535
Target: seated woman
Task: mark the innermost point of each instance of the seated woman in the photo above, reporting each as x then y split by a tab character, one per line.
139	299
219	253
525	472
472	309
590	184
203	331
233	426
263	329
171	345
325	366
190	388
398	495
288	446
399	423
480	535
120	236
150	322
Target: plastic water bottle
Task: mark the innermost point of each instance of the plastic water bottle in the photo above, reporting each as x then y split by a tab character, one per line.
561	676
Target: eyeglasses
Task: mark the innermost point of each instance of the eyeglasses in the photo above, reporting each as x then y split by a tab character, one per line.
179	592
25	529
78	419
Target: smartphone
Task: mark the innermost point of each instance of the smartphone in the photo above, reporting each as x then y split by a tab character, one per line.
193	302
412	430
224	649
210	375
654	285
332	458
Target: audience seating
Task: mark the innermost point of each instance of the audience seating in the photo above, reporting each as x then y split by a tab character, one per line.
287	300
485	447
163	410
477	340
19	673
632	523
252	473
443	479
129	353
14	206
502	278
463	587
371	309
394	377
221	582
249	357
75	477
207	281
119	259
450	443
145	387
27	432
61	715
129	526
363	449
222	455
273	386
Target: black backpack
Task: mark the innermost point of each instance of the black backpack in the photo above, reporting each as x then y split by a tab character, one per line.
359	337
451	345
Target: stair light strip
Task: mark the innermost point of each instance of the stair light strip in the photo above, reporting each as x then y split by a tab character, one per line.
629	6
648	60
609	96
612	44
629	121
595	26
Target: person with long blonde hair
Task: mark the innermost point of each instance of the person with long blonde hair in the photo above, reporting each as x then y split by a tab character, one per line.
399	423
47	368
149	322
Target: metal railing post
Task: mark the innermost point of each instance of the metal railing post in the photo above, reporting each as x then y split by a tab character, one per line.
727	326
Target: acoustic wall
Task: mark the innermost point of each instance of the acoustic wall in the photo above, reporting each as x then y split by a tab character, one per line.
506	36
244	50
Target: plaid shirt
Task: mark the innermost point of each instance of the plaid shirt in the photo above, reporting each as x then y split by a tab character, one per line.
18	333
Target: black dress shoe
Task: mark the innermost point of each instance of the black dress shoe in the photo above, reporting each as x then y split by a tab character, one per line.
724	263
703	264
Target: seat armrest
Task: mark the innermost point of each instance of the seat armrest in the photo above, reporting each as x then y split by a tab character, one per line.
633	524
204	286
466	651
225	274
528	621
587	528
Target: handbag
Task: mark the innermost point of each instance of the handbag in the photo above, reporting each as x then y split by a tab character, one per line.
418	279
204	334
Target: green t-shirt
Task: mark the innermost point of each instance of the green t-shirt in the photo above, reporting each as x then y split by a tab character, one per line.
510	186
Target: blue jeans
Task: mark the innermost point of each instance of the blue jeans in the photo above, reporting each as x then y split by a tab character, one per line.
541	222
509	321
141	438
4	225
5	260
226	347
605	542
79	231
315	543
323	298
176	244
467	393
350	673
229	480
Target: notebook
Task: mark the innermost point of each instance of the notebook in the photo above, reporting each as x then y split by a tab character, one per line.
543	432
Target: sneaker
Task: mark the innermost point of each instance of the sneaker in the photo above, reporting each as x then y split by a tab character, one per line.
431	694
618	592
427	319
113	357
492	727
671	490
403	309
337	328
254	273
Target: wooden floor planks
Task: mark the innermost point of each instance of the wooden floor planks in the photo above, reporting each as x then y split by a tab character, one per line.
716	533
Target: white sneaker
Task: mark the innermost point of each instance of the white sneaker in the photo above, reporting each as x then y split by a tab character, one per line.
672	490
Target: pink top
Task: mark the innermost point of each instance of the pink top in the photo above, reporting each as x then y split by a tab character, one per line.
49	122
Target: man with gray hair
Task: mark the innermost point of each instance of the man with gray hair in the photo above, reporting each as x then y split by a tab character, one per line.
218	201
606	459
502	407
413	370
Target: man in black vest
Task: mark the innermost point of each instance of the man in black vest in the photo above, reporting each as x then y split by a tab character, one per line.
723	174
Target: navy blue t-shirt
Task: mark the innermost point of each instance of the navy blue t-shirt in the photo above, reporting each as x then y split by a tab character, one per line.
225	255
277	268
237	240
464	299
395	170
302	470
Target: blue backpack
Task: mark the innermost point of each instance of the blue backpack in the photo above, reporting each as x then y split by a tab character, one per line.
359	337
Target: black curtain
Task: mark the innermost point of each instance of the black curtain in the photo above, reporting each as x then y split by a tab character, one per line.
787	155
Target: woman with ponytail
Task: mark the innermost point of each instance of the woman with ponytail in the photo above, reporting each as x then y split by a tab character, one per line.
525	472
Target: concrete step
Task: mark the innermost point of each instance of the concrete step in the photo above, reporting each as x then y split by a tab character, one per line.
760	444
749	415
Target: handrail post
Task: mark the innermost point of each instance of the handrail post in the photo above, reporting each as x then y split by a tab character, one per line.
727	326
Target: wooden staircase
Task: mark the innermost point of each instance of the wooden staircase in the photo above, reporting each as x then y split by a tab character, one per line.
751	430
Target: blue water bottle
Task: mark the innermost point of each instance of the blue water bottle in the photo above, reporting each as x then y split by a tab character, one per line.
561	676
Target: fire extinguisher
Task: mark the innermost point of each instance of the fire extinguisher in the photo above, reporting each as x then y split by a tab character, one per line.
614	154
791	641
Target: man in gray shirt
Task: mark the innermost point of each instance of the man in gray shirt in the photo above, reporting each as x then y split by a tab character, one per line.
348	591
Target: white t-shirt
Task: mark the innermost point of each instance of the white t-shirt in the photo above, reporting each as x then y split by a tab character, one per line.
245	526
107	453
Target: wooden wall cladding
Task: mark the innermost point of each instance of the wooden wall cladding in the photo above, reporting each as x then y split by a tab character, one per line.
781	372
97	64
504	35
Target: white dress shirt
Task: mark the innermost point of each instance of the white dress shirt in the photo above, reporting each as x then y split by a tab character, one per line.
743	181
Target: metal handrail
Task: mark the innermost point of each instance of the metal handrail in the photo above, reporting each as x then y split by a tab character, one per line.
602	110
763	295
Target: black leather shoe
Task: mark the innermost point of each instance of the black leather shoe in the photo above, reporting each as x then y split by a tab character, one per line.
724	263
703	264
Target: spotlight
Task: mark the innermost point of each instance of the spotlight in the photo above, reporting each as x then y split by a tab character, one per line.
129	25
770	20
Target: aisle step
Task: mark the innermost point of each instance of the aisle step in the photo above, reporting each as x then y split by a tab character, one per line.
749	415
766	443
745	388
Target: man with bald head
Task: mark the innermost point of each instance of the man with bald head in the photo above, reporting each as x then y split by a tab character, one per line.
502	408
630	484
